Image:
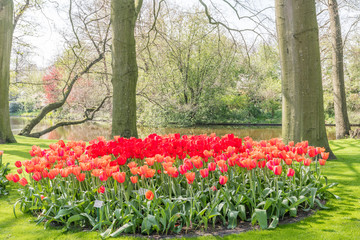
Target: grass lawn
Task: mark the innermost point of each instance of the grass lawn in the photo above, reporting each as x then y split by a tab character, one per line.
342	221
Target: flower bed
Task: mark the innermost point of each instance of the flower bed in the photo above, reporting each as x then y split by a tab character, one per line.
168	184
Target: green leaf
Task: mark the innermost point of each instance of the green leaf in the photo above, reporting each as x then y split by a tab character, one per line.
108	231
274	222
148	223
62	213
320	204
312	196
261	218
90	218
232	219
293	212
122	229
242	212
268	203
74	218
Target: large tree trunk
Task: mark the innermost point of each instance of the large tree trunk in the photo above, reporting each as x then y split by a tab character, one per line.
6	32
341	115
302	93
125	70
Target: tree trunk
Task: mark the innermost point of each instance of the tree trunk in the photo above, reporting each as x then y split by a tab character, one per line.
302	94
6	32
125	70
341	115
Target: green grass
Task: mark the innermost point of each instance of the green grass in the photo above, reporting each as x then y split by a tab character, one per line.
342	221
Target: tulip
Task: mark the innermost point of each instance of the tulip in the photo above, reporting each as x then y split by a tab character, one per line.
307	161
278	170
132	165
134	179
290	172
223	180
15	178
80	177
119	176
190	177
23	182
101	189
212	166
9	177
19	171
37	176
325	155
288	161
214	188
204	172
182	169
312	152
149	195
1	153
18	164
322	162
42	197
150	161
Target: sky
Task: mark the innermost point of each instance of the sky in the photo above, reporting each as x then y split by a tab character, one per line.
49	42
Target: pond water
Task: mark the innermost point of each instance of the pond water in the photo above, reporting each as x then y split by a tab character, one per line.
91	130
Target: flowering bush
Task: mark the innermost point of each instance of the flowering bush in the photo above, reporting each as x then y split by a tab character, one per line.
170	183
4	169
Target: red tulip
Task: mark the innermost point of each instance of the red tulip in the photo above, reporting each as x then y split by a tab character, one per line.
149	195
213	188
278	170
223	180
9	177
19	171
212	166
101	189
15	178
312	152
42	197
290	172
204	172
182	169
18	164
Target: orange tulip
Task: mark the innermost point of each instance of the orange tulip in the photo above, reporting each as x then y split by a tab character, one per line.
190	177
307	161
150	161
149	195
322	162
80	177
134	179
325	155
119	176
277	170
23	182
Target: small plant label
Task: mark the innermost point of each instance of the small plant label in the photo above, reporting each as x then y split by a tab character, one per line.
98	204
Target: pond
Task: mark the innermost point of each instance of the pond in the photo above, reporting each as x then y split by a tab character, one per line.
91	130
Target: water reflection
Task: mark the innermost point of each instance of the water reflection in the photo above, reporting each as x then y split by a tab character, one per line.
91	130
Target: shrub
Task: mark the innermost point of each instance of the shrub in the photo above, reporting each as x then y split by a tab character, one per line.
4	169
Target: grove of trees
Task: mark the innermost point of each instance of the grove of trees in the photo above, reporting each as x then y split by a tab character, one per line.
160	63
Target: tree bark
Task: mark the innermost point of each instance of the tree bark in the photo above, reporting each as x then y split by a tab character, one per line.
302	94
341	115
6	33
26	131
125	70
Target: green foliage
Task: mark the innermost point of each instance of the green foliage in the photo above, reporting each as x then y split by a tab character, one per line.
4	170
